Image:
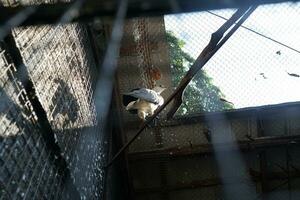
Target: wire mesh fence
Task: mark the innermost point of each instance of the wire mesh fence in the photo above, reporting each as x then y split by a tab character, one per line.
60	63
177	154
25	160
262	52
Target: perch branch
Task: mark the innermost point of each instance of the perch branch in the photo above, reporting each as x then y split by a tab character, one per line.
213	46
181	87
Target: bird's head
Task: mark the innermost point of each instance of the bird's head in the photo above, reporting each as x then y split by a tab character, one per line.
159	89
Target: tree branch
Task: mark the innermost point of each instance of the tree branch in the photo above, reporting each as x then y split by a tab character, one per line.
213	46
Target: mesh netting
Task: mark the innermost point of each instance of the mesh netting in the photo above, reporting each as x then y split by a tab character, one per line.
183	158
61	65
257	66
24	164
179	155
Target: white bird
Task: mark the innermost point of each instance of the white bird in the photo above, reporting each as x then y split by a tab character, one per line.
143	101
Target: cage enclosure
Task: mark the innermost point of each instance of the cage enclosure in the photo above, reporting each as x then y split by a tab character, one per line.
228	127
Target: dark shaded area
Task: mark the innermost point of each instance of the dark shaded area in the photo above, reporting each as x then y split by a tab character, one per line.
118	180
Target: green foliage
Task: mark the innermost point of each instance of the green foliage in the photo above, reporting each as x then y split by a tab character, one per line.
200	95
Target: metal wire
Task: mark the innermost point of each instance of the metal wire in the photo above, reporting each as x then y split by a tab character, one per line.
260	34
190	168
62	68
38	47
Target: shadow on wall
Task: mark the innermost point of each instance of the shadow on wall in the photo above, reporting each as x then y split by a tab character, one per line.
64	106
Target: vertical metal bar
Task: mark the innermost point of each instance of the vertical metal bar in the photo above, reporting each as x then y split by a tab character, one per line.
109	148
115	134
162	164
43	124
288	171
93	42
262	158
123	139
287	155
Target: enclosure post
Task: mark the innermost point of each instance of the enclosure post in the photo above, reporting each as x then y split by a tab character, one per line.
262	158
123	138
162	164
287	155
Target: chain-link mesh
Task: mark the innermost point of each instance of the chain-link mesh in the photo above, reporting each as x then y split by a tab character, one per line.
179	155
176	159
61	66
24	164
246	70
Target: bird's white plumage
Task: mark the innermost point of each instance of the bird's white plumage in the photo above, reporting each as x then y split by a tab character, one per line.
147	101
145	94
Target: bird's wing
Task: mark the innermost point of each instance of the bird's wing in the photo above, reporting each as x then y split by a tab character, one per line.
145	94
